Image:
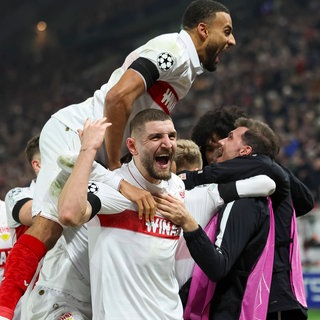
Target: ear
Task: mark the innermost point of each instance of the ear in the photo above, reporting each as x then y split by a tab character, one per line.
202	30
245	150
36	164
131	145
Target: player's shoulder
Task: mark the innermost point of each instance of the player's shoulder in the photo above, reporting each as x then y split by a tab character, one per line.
176	181
164	38
166	43
18	193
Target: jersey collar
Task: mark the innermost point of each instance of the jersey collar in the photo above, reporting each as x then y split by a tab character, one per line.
185	37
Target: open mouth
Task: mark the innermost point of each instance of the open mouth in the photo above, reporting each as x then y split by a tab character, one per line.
163	160
218	152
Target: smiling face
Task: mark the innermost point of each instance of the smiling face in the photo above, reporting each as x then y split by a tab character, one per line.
219	37
153	150
233	146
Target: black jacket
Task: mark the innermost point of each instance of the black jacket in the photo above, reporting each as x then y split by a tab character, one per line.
289	192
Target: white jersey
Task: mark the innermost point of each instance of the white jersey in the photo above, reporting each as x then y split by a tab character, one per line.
131	263
178	64
15	195
202	202
175	57
5	238
64	275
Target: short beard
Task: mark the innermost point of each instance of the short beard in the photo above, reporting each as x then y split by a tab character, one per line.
209	67
153	173
209	64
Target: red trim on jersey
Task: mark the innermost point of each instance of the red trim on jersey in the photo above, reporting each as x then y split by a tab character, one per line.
164	95
20	268
129	220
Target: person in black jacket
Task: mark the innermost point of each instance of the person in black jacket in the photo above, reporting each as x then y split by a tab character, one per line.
290	191
242	234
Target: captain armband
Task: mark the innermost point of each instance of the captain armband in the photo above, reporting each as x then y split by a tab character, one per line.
17	207
95	204
147	69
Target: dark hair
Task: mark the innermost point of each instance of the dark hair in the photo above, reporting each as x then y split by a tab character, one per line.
219	121
201	11
32	148
147	115
261	138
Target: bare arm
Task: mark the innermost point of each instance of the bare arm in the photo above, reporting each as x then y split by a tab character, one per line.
73	207
25	214
118	106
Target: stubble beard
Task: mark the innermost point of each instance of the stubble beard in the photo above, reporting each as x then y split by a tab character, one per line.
209	64
153	173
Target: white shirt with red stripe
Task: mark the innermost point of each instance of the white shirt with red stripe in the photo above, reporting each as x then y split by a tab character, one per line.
5	238
132	263
173	84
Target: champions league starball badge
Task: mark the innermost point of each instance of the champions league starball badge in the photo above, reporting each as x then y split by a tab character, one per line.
92	187
165	61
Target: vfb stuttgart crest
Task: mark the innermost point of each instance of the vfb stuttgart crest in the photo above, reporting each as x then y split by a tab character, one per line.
165	61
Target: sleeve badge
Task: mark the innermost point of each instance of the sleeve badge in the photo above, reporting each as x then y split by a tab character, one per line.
165	61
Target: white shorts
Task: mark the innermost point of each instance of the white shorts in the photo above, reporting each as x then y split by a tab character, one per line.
50	304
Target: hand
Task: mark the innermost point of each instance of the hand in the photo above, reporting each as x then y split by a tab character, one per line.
142	198
92	135
175	210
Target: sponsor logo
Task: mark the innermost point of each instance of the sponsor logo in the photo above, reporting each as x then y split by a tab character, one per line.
66	316
129	220
5	233
164	95
163	227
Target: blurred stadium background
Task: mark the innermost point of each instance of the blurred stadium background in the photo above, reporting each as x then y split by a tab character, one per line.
56	52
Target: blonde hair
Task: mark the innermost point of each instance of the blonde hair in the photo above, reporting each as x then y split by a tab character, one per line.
187	156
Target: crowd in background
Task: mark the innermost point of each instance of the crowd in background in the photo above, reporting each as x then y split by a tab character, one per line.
273	74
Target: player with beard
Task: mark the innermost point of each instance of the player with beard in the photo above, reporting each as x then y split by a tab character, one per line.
132	261
161	72
156	75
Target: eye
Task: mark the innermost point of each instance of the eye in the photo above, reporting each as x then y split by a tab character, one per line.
155	137
227	32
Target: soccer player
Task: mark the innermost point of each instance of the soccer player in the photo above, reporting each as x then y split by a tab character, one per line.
155	75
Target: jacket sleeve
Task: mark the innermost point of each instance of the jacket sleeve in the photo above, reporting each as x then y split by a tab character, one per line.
302	198
217	259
